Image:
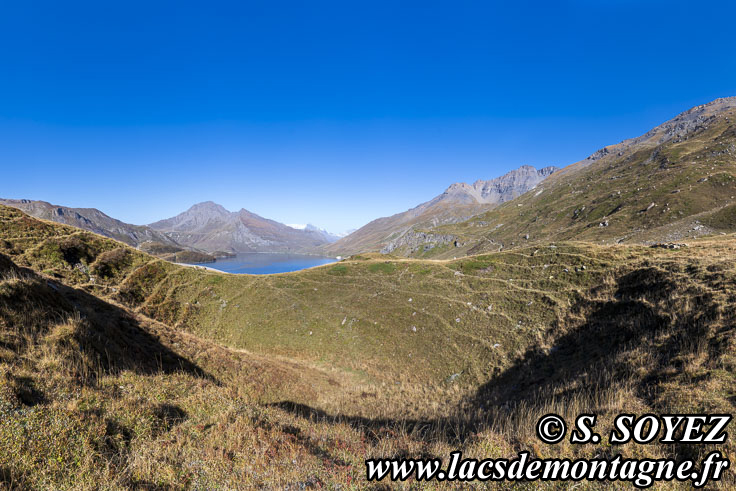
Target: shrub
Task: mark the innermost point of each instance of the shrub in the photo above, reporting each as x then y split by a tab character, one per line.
110	263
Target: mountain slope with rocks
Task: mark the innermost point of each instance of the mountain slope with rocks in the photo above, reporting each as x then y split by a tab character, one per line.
676	182
211	227
91	219
459	202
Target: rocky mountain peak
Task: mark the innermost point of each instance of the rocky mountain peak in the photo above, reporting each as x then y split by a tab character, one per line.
547	171
500	189
210	227
459	186
208	208
196	216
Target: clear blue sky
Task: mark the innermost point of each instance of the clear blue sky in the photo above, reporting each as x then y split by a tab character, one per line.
333	113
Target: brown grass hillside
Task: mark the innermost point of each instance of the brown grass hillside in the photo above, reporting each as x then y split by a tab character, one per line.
121	370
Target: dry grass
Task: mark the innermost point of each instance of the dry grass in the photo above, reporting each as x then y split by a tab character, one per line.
118	383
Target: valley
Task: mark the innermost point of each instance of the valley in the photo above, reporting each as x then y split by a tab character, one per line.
211	227
374	246
604	287
202	234
418	355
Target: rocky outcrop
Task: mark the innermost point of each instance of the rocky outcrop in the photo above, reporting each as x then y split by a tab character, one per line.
412	242
498	190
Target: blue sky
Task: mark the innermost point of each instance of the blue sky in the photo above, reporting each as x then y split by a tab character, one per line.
333	113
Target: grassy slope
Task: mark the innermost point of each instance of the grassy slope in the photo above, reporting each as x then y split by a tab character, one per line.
357	315
569	326
690	180
378	233
92	395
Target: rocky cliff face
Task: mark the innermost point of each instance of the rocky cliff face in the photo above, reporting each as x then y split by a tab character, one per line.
412	242
211	227
498	190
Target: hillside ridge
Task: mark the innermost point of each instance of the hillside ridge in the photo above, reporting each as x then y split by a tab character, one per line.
457	203
90	219
113	360
675	182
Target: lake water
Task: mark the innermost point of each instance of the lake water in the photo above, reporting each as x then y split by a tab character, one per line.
267	263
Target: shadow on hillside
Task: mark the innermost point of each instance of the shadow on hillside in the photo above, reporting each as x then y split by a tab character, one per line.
107	335
647	303
120	342
588	354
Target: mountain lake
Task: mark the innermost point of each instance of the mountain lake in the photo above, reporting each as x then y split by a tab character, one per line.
267	263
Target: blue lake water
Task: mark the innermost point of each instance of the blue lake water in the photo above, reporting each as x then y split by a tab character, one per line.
267	263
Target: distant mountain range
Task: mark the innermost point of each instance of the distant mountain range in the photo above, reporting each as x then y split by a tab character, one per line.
329	237
211	227
200	234
459	202
676	181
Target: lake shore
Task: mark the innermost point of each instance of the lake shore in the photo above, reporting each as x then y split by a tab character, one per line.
259	263
199	266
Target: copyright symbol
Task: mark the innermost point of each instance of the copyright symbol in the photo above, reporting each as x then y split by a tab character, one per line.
551	428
